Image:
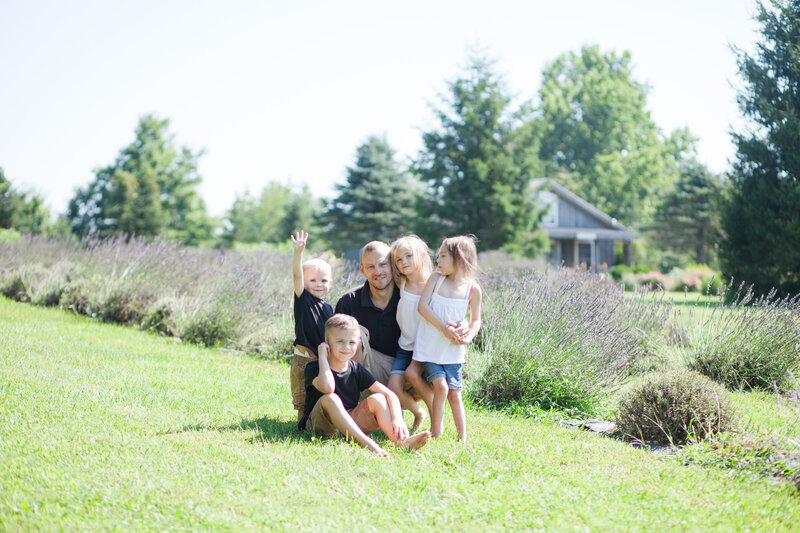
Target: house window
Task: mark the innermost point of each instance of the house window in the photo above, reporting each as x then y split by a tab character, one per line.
549	202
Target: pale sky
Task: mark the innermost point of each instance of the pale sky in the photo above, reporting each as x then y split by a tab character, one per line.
286	91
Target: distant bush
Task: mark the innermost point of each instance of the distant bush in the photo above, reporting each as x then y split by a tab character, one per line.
557	339
748	344
673	407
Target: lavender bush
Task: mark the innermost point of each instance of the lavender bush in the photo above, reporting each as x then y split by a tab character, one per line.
749	343
560	339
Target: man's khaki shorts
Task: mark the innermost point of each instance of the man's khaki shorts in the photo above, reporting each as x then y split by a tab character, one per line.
378	363
297	377
319	422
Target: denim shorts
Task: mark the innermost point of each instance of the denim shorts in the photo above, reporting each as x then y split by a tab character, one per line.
451	373
401	361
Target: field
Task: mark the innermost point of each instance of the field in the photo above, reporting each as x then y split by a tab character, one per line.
103	427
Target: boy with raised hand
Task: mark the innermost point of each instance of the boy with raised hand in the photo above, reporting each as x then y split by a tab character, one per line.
334	384
312	282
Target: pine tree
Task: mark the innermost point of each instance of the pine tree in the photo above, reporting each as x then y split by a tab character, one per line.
762	219
150	168
377	202
688	219
477	166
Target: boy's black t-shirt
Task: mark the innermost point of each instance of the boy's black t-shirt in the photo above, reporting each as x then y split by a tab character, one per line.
347	386
310	315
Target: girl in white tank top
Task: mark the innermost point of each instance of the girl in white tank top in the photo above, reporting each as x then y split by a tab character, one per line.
448	296
411	267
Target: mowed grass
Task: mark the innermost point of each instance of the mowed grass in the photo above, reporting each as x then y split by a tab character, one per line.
105	427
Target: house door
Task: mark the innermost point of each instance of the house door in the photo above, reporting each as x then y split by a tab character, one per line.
585	254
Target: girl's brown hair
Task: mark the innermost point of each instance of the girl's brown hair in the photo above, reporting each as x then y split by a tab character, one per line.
462	249
420	252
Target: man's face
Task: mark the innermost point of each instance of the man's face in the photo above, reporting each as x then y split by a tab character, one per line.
317	281
376	268
343	342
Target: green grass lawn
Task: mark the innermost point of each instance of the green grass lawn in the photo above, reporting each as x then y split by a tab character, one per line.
105	427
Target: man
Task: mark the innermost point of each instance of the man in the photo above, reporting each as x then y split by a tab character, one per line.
374	305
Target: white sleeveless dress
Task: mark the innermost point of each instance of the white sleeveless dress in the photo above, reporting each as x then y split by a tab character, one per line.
408	318
431	346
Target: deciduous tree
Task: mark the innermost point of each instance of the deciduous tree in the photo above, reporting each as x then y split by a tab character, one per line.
599	139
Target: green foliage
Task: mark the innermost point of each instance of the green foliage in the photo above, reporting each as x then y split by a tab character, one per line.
598	138
689	216
762	219
149	190
22	211
478	164
675	407
271	217
377	202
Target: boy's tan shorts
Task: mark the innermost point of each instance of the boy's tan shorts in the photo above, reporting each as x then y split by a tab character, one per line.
297	377
319	422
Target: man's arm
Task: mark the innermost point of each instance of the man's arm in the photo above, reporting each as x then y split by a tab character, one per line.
395	410
299	240
324	380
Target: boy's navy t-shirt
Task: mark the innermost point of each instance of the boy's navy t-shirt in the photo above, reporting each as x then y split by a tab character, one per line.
310	315
347	386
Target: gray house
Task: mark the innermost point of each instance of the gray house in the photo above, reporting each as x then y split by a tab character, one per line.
580	234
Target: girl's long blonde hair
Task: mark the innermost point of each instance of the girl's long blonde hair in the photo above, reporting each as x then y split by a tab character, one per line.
419	251
463	250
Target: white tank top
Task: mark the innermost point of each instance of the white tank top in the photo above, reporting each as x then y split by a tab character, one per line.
431	346
408	318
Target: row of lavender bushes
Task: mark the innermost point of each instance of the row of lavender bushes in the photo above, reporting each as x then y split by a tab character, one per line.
210	297
551	338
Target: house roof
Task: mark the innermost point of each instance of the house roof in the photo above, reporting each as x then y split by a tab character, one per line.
615	231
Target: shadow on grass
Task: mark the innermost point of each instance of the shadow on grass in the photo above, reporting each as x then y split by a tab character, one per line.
269	430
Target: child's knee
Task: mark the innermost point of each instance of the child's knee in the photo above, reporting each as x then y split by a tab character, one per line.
412	372
331	401
440	386
376	402
395	383
454	395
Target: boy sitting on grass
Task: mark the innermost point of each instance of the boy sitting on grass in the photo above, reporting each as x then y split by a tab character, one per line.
312	282
334	384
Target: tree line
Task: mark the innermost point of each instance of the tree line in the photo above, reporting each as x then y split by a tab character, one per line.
588	128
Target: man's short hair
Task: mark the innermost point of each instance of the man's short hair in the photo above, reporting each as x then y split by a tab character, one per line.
341	321
373	246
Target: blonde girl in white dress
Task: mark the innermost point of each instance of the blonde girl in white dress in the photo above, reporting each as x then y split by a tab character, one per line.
411	267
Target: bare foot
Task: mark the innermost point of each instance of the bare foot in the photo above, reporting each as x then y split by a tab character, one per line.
415	442
377	450
419	418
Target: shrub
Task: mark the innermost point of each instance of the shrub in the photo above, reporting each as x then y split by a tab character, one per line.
555	340
21	283
124	306
618	270
748	344
209	329
674	407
